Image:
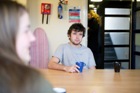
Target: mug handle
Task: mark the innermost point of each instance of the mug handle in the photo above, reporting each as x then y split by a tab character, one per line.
84	64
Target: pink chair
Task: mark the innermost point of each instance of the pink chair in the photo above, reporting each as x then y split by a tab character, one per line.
39	50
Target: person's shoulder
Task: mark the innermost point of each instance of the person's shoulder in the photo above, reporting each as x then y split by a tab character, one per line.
63	45
83	46
86	48
94	20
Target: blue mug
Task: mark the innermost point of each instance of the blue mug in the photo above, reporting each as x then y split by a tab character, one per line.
81	65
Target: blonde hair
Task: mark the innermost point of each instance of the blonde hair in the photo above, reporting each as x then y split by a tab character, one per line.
95	15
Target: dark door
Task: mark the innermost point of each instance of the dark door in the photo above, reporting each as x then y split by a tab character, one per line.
135	63
115	34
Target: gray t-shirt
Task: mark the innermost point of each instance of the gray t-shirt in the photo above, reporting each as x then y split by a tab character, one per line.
68	55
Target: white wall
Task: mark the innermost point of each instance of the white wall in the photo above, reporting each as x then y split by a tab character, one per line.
56	29
23	2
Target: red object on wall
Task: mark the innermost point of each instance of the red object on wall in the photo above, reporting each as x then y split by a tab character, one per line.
46	8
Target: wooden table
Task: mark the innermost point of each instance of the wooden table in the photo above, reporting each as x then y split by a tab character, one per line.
95	81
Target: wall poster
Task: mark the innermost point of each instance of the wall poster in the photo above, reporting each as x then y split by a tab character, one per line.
74	15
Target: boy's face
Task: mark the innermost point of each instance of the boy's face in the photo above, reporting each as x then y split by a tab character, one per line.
76	37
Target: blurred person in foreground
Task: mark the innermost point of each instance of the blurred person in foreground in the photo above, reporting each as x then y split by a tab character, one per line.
70	53
15	39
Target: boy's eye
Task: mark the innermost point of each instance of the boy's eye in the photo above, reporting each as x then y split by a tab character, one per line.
74	33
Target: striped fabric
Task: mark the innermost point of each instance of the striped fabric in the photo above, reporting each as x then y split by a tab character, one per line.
39	50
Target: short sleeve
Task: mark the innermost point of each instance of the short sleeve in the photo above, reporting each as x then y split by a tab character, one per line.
91	59
59	53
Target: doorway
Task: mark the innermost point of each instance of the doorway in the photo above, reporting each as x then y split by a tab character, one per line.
114	33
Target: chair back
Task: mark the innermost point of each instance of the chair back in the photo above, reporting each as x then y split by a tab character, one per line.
39	49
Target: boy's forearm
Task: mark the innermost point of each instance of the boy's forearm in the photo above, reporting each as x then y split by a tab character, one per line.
56	66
